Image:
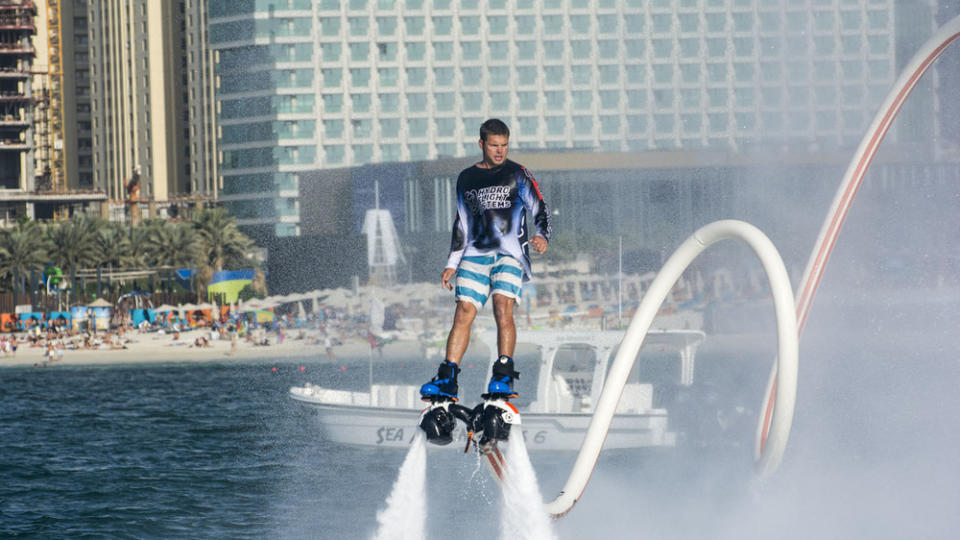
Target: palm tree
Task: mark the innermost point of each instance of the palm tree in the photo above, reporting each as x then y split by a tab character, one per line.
23	250
171	245
73	245
113	242
222	244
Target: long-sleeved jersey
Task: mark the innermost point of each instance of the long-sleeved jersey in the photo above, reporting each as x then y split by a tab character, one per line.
491	217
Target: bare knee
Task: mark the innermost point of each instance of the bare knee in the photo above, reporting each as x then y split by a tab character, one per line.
502	308
465	313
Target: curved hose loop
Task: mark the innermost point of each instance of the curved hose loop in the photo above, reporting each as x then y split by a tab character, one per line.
787	352
849	186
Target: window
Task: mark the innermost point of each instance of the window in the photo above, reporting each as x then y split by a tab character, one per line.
386	26
469	25
332	103
637	99
556	125
527	100
333	129
580	50
499	50
358	26
362	127
417	127
416	76
442	26
360	102
499	101
609	99
359	52
331	52
445	127
581	74
359	77
553	50
470	50
332	78
582	99
390	127
389	102
443	76
415	51
556	100
442	50
417	103
387	51
444	101
472	101
414	25
526	50
526	75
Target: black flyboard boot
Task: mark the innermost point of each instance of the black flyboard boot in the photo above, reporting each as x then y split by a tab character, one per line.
496	414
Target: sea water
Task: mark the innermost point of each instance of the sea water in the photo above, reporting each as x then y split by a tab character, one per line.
221	451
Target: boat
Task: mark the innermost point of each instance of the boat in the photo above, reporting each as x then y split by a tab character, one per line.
569	369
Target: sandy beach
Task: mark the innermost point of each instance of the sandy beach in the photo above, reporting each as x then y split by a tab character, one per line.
148	348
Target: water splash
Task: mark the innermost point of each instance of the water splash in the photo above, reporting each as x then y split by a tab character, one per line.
524	515
405	516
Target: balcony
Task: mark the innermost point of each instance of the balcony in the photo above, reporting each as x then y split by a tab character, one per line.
14	144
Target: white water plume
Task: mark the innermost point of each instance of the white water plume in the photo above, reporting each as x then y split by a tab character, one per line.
524	515
405	516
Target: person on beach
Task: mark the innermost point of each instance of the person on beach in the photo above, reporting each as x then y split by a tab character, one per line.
489	255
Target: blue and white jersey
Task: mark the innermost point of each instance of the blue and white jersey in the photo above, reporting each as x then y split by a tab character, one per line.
491	205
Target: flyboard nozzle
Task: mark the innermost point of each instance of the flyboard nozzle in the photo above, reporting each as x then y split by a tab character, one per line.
440	419
495	416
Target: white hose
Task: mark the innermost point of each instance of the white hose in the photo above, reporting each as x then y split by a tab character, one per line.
636	332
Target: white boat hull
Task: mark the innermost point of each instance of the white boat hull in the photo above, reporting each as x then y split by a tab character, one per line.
395	428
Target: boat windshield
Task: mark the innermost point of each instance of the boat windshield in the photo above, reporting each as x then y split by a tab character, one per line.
575	362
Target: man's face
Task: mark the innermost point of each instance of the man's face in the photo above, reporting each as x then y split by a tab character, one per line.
494	149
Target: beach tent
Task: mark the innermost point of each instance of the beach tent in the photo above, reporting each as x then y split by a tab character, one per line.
59	319
99	302
101	318
7	322
229	283
78	315
25	317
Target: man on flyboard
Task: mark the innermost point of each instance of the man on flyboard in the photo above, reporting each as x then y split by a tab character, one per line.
489	257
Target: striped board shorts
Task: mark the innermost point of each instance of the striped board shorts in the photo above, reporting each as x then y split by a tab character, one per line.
477	276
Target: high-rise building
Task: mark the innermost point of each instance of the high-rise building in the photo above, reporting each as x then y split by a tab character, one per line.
17	29
124	104
306	85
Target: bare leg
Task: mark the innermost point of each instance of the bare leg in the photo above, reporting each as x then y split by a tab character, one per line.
459	336
506	329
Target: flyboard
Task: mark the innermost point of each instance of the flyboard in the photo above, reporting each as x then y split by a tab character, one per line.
488	424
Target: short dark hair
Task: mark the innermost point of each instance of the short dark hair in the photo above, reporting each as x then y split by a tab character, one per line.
493	126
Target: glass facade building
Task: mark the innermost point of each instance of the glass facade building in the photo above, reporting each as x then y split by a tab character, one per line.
307	85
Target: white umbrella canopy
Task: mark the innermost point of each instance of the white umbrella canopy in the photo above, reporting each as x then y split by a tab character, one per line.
99	302
188	307
166	308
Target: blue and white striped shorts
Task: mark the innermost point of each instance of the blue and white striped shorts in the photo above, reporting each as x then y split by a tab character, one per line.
477	275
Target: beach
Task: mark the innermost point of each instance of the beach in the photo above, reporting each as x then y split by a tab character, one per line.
146	348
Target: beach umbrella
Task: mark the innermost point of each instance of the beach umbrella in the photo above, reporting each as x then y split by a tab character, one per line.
166	308
99	302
